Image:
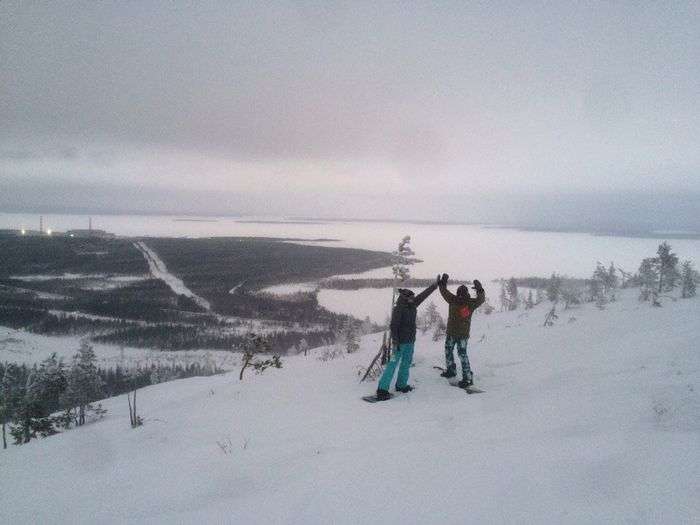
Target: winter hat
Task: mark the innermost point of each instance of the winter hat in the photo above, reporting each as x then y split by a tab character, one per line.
463	291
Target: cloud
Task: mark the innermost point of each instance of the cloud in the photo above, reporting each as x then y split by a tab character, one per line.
354	98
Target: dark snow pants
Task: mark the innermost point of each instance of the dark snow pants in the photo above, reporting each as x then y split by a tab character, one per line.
461	343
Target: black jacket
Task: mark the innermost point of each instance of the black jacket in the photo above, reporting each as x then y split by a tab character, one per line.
403	317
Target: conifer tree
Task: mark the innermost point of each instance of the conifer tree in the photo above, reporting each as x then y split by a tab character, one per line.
667	263
688	280
10	398
350	337
84	383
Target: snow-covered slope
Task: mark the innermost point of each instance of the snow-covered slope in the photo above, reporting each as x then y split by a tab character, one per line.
593	420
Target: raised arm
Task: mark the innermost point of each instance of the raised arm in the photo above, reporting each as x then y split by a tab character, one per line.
425	293
480	295
446	294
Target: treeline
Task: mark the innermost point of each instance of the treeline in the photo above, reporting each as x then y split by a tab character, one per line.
40	400
211	332
177	337
662	273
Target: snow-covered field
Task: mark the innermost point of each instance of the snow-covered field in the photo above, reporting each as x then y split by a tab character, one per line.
593	420
19	346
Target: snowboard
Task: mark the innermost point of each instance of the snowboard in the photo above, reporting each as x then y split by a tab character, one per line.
373	398
469	390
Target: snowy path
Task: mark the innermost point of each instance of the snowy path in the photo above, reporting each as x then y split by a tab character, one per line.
594	420
160	271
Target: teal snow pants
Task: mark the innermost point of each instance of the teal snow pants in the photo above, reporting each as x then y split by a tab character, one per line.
403	356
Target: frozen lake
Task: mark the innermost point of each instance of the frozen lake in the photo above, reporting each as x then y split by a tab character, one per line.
462	250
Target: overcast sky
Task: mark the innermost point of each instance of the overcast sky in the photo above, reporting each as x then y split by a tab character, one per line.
287	104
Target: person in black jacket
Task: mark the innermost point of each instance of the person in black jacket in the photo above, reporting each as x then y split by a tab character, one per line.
403	338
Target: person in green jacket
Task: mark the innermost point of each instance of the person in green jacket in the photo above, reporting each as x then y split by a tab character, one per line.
461	308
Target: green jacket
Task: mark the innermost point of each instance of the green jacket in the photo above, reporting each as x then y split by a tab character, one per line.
459	319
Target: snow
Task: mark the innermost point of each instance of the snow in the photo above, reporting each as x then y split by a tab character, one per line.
62	276
593	420
236	288
94	281
160	271
290	289
18	346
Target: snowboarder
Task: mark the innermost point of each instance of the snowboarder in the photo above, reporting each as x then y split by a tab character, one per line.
458	324
403	337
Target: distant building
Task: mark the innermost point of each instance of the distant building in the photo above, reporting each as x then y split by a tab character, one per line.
22	233
90	233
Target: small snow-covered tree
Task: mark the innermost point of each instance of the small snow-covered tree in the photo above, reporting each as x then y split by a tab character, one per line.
401	273
350	338
612	281
440	330
84	384
529	302
252	345
430	317
553	288
401	255
503	297
11	396
600	285
648	277
571	295
667	262
689	278
367	326
303	346
539	295
512	291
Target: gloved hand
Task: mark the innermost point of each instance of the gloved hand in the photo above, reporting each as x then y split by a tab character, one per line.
477	285
444	279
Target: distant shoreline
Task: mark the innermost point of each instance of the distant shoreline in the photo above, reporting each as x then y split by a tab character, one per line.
632	233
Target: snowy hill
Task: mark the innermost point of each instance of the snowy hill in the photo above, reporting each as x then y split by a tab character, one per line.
592	420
